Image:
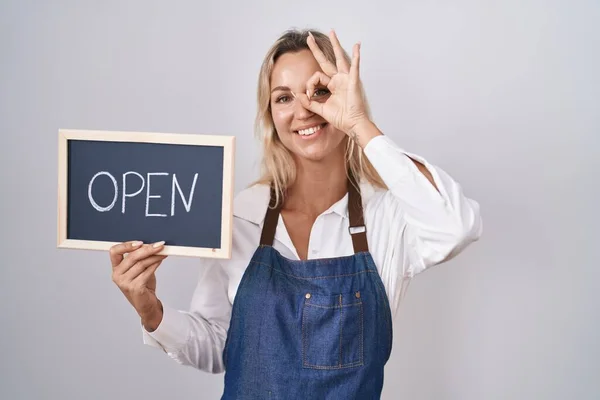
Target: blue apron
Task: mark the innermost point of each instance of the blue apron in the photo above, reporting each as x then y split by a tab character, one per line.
314	329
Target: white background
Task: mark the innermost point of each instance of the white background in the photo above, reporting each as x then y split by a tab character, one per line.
502	95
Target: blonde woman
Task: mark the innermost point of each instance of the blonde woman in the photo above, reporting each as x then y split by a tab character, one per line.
324	243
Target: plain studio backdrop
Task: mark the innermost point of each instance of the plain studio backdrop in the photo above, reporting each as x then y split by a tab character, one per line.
502	95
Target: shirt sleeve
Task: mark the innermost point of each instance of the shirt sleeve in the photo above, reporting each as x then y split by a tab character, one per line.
437	224
196	337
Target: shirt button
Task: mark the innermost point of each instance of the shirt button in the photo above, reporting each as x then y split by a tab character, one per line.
307	295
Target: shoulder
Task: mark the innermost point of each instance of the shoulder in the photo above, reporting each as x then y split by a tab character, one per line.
251	203
249	209
372	196
381	208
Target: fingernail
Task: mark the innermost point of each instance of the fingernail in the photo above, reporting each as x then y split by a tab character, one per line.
136	244
158	244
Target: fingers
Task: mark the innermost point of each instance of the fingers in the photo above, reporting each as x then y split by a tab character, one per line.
147	273
327	67
140	267
318	79
355	66
340	60
137	255
314	106
117	251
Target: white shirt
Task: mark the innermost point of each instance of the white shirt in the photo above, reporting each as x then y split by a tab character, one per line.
410	227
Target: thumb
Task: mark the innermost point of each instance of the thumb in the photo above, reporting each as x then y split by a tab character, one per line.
313	106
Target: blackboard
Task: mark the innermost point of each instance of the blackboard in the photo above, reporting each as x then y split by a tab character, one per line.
121	186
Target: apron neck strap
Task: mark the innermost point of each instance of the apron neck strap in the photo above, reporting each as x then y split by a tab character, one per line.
357	228
271	219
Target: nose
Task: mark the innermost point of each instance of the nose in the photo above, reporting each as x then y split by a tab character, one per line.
300	112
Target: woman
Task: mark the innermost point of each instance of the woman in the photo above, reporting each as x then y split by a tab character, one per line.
304	307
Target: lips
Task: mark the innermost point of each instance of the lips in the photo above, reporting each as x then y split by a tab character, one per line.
311	130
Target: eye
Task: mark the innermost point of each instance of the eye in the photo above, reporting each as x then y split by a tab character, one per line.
321	92
282	99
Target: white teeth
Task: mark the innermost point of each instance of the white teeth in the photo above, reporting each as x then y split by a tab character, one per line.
309	131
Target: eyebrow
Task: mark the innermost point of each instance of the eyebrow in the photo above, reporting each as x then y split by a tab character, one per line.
283	88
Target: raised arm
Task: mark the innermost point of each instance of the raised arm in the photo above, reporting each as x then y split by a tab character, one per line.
440	221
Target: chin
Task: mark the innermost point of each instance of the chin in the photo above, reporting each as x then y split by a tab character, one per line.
312	156
317	153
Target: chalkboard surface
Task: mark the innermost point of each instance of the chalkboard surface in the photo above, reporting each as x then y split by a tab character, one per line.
122	186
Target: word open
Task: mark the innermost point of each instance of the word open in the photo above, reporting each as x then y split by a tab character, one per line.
175	187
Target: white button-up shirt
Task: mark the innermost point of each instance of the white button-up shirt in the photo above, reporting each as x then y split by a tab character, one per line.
410	227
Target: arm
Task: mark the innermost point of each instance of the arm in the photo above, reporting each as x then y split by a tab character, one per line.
363	132
438	219
196	337
441	220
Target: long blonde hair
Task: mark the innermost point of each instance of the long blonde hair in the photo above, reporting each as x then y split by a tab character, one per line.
277	167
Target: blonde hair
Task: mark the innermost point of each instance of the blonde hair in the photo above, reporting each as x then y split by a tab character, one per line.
277	167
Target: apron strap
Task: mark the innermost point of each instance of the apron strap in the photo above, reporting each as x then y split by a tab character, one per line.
271	219
357	228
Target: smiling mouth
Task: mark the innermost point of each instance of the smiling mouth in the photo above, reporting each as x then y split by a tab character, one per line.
310	131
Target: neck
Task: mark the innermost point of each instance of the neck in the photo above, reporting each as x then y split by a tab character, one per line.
317	187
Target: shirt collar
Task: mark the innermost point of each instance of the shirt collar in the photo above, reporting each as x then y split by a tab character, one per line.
251	203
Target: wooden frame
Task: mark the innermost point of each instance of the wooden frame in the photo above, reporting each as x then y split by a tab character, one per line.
228	144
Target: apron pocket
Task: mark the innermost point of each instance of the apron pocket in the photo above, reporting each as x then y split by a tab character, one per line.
332	331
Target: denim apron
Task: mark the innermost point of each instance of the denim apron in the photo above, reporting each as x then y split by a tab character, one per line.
314	329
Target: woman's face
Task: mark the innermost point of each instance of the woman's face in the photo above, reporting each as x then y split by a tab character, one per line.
304	133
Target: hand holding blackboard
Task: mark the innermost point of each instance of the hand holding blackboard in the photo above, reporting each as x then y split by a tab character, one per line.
115	187
133	270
